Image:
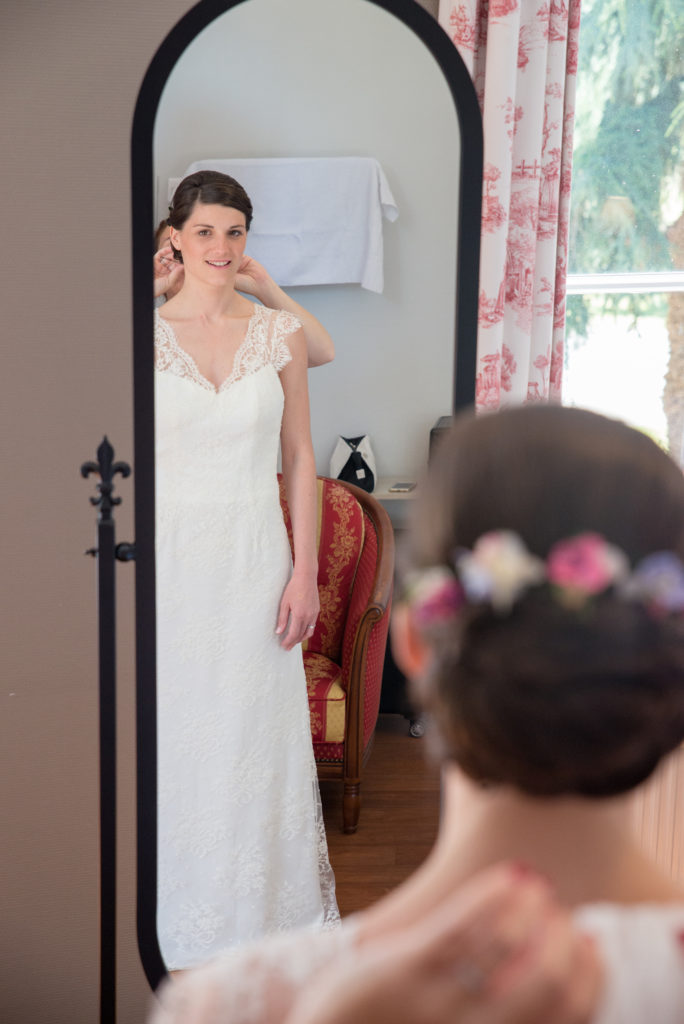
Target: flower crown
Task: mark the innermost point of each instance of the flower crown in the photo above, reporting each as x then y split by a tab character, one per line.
500	569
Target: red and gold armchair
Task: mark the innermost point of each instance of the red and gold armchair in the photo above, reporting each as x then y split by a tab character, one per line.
344	658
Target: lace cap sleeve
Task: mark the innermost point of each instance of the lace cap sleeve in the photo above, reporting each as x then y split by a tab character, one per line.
163	357
282	325
255	984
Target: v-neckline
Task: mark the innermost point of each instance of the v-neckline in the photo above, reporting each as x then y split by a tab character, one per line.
192	362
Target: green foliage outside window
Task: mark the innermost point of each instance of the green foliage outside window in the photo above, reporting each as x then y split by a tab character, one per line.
628	162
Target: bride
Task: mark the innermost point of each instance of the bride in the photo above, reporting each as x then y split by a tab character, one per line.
242	849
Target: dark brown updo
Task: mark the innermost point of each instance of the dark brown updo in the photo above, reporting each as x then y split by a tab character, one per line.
550	700
210	187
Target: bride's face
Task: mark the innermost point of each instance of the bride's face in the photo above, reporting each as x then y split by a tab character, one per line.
212	242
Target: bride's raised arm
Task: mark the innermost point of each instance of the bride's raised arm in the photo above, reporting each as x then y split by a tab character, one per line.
300	604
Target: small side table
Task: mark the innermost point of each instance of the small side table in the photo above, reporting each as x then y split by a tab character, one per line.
394	698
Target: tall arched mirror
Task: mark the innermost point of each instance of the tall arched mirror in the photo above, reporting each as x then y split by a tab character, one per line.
315	78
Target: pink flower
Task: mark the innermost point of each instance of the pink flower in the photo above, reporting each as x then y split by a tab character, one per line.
585	565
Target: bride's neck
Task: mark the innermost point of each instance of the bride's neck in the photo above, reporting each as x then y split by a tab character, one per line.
587	848
199	301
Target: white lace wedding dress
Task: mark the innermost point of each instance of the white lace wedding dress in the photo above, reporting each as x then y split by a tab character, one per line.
242	849
640	947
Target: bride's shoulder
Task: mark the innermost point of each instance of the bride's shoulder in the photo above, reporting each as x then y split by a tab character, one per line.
641	946
280	321
634	919
278	331
254	984
163	331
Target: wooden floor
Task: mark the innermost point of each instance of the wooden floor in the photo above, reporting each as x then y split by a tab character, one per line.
398	822
400	811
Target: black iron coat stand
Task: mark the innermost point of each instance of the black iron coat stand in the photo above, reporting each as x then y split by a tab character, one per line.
107	552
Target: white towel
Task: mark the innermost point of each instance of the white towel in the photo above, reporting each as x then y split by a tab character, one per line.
317	220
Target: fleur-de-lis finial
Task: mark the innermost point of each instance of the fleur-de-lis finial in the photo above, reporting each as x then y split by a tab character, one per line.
107	470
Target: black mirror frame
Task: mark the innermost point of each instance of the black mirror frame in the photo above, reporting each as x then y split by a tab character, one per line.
463	93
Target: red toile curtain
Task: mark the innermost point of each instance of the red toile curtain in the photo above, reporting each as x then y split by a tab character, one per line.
522	55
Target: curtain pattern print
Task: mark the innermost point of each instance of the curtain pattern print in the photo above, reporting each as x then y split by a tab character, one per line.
522	55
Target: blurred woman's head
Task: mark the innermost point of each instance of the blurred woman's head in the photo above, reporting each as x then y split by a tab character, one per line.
162	234
548	694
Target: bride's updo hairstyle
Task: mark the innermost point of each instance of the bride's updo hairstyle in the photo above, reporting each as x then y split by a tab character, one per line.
210	187
551	699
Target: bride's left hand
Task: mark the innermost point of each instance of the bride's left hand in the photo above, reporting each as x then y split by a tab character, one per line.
299	608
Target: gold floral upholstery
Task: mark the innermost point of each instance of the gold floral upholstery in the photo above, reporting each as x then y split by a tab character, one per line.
327	698
340	533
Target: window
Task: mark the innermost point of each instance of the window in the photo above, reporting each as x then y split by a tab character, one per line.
625	309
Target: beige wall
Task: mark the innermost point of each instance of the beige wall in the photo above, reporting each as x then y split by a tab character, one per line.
69	77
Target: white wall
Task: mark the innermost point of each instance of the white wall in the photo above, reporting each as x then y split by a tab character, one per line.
297	79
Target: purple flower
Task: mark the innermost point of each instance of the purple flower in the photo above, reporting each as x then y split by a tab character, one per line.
658	581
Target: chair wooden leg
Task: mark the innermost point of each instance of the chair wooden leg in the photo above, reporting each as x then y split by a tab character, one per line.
351	806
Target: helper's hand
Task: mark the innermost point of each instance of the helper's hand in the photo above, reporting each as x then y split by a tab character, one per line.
253	279
167	271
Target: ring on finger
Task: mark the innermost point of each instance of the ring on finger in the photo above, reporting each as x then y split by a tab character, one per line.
470	977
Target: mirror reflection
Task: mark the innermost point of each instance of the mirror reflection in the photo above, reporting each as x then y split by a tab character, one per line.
300	79
242	847
238	797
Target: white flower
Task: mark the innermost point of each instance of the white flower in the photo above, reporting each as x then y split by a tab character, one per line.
423	584
435	595
498	569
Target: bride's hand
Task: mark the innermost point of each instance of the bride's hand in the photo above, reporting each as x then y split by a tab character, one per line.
167	270
299	607
499	950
